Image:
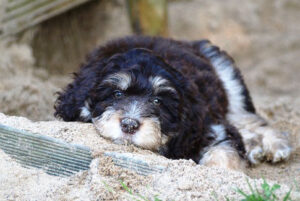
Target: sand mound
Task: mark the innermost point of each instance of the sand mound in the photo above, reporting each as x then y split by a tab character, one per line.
181	180
24	89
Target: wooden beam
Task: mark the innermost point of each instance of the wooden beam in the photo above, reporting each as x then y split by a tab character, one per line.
22	14
148	17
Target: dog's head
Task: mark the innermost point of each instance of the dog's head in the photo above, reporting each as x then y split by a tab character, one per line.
137	98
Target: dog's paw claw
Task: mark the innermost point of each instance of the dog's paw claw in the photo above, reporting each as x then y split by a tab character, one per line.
277	147
273	149
256	155
281	154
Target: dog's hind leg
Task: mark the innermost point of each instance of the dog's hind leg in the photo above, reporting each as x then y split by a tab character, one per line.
260	140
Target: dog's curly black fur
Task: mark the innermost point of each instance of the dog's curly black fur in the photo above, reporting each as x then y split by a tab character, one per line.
186	116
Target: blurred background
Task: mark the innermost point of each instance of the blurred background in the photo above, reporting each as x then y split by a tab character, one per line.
42	42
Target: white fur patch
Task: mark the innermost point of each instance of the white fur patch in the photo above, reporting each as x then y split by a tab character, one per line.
225	70
85	111
158	81
149	135
121	80
134	110
160	84
108	124
219	132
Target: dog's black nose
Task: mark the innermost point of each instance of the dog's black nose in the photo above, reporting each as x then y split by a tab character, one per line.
129	125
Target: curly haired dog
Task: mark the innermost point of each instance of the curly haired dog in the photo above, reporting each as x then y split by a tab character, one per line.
182	99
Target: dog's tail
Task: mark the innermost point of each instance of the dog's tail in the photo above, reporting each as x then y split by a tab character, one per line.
229	74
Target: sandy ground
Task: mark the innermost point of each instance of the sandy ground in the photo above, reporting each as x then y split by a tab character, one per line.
181	180
263	37
24	90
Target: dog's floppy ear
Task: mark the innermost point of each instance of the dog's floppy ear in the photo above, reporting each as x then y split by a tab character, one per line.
72	103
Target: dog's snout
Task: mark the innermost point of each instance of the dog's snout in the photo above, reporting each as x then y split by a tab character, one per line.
129	125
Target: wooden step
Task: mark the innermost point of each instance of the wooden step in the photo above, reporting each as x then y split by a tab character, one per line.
22	14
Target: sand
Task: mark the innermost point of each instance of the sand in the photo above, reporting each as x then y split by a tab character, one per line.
263	37
18	183
24	89
182	179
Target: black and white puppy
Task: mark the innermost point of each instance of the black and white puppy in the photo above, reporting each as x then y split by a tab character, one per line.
182	99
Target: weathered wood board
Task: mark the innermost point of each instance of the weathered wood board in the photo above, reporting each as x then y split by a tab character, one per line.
54	156
59	158
18	15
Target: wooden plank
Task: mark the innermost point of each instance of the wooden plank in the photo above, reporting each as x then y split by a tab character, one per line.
21	14
11	5
25	8
54	156
59	158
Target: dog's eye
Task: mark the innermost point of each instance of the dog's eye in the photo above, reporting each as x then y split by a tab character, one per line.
118	94
156	101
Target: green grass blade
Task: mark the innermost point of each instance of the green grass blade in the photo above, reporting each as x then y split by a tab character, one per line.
109	188
242	193
126	188
156	198
250	187
287	196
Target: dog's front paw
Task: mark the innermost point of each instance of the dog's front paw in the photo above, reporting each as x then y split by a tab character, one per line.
275	145
255	155
266	144
253	146
282	154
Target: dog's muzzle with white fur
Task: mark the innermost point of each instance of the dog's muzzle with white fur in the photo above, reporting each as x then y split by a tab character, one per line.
130	122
